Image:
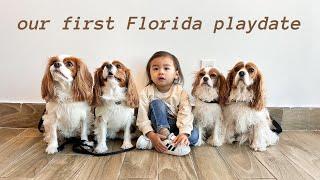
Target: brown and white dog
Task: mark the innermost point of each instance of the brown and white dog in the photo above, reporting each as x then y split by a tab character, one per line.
115	97
209	89
245	113
66	88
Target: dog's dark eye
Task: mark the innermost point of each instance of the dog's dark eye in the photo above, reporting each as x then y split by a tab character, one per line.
213	75
69	64
202	74
118	66
251	70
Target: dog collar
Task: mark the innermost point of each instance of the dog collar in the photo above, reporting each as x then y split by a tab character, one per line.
213	101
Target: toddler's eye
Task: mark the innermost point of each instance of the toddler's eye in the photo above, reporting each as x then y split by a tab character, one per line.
155	69
166	68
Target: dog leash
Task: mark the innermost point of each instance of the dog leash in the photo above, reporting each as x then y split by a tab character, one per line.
79	146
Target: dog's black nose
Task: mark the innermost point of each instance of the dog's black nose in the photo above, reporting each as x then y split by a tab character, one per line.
205	79
56	65
241	73
109	66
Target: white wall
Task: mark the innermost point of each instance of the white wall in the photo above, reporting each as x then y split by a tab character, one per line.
288	59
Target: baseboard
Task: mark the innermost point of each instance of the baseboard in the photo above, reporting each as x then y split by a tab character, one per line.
27	115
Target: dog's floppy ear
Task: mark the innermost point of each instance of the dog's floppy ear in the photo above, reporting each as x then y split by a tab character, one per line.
195	83
258	102
82	85
132	94
47	89
223	90
97	92
229	83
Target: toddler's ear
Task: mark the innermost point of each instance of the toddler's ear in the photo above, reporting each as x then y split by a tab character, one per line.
177	75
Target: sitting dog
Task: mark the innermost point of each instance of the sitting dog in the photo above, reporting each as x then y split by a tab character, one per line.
115	97
66	88
209	90
245	113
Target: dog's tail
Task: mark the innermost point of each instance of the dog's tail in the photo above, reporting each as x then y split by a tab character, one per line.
276	126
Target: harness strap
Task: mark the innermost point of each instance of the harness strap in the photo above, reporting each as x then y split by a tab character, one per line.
213	101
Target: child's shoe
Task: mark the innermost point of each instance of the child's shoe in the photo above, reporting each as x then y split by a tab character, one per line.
144	142
179	150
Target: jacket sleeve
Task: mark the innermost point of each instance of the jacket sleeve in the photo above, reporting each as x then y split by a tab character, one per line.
184	116
143	121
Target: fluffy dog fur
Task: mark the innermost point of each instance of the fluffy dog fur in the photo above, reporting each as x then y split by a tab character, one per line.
115	97
209	90
245	113
66	88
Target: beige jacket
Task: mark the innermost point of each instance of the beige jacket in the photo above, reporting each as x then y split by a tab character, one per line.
176	99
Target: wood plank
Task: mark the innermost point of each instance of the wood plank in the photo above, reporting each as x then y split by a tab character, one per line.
174	167
209	164
301	152
309	139
103	167
279	165
8	133
63	167
15	178
314	122
20	115
30	163
295	118
13	150
31	132
140	164
243	162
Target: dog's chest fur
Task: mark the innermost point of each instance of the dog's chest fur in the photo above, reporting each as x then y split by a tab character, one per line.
243	116
67	116
114	114
205	114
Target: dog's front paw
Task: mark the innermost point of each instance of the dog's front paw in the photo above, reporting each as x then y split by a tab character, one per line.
213	142
51	149
256	147
200	142
126	145
101	148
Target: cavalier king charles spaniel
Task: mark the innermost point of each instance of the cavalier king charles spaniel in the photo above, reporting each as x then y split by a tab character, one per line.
209	89
115	97
67	89
245	113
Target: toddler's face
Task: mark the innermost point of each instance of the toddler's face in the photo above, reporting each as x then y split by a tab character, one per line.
163	73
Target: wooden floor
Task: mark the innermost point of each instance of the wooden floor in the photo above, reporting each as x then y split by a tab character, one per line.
297	156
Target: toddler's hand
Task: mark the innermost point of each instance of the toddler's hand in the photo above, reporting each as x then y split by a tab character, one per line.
181	138
156	141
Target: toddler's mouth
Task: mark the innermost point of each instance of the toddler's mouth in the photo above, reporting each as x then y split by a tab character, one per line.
161	78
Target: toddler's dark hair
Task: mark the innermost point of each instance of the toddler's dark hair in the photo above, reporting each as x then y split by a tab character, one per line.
175	63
